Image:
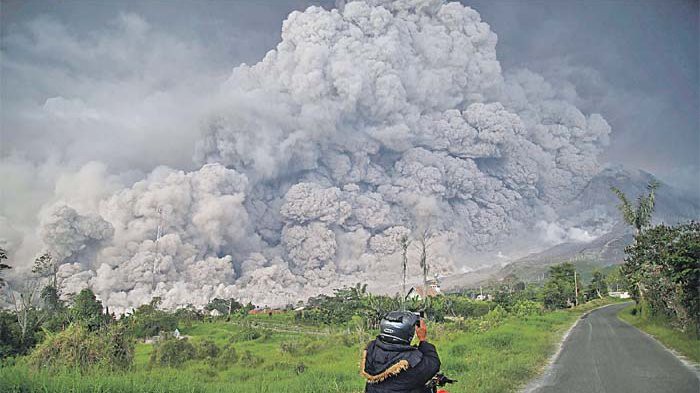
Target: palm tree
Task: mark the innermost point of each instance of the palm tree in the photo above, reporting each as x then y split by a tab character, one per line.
638	216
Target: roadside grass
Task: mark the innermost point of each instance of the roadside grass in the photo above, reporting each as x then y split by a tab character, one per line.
500	359
672	338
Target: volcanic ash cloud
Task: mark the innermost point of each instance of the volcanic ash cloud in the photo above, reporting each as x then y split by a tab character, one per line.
366	123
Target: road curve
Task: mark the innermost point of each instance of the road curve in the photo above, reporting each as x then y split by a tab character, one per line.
603	354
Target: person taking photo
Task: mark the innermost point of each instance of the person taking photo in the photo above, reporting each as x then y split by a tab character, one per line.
391	364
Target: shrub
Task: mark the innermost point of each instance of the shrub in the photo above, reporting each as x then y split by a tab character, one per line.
246	334
662	263
290	347
250	360
525	308
228	355
149	321
206	349
78	347
171	351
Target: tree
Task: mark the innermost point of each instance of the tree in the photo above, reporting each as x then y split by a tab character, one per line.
88	310
224	306
83	349
508	291
10	341
561	288
615	279
24	303
665	261
639	215
46	266
598	287
51	299
424	241
56	314
3	266
148	320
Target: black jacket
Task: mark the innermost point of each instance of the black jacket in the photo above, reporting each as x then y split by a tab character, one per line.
398	368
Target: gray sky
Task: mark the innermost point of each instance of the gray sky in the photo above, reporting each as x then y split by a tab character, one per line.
636	62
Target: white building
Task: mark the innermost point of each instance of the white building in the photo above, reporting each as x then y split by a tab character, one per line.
420	293
621	295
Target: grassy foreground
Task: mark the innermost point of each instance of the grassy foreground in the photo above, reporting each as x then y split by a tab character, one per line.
671	338
291	358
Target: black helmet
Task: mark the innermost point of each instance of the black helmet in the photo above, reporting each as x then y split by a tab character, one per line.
398	327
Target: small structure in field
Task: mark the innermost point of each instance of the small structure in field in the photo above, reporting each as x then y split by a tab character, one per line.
621	295
420	292
482	297
215	313
265	310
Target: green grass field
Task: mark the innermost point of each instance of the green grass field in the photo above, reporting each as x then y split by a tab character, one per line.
671	338
307	359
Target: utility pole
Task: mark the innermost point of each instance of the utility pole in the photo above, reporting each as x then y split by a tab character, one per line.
575	288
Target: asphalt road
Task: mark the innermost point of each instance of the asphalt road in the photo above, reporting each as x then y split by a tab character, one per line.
603	354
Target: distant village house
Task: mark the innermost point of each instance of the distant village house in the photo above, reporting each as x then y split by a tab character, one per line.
420	292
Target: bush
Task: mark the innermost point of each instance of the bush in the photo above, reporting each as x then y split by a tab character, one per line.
228	356
206	349
171	351
77	347
525	308
250	360
148	321
247	334
662	263
290	347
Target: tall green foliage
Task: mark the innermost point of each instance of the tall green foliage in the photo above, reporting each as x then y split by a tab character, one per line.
639	217
598	286
88	310
665	261
148	320
560	291
639	214
79	348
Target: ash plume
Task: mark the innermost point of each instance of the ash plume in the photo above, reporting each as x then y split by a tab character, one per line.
366	123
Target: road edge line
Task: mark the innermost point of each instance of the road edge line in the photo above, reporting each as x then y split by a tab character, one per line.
692	366
536	382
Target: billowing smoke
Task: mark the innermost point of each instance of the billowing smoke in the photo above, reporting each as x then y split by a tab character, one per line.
368	122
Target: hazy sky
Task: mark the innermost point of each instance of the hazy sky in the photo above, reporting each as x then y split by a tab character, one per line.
636	62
